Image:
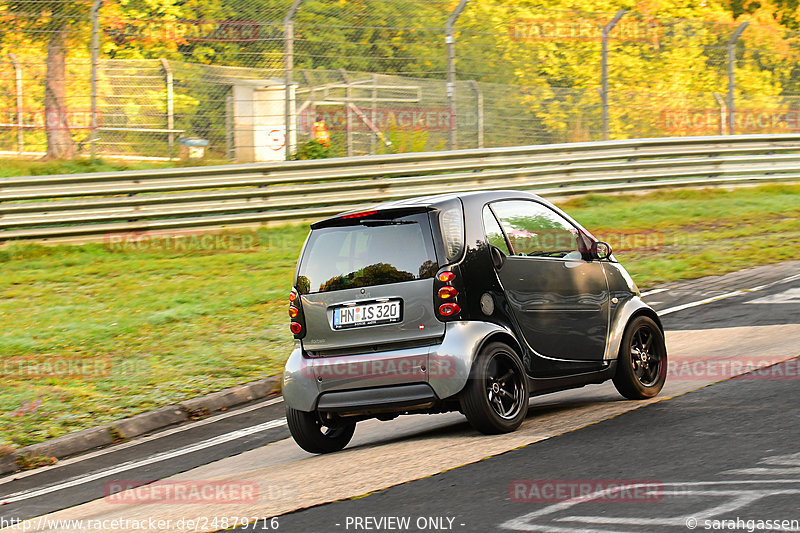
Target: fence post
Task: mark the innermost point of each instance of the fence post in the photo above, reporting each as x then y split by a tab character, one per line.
288	65
731	79
95	53
373	114
723	112
450	41
170	85
604	68
478	110
20	120
348	117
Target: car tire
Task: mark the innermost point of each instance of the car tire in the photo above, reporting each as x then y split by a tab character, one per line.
642	360
495	399
310	434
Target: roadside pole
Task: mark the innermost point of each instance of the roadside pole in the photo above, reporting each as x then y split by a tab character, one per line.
288	65
731	76
95	54
20	120
604	68
170	83
450	41
723	112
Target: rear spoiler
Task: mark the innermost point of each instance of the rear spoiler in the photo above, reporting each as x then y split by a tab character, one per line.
350	218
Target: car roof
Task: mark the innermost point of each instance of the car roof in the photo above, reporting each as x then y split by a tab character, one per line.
434	201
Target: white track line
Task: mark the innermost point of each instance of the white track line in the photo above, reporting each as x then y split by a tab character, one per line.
221	439
700	302
140	440
726	295
654	291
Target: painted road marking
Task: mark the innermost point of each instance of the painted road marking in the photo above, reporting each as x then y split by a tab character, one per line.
140	440
726	295
261	427
654	291
723	498
776	465
733	499
227	437
789	296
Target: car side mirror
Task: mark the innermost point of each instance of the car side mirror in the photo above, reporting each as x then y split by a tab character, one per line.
498	257
602	250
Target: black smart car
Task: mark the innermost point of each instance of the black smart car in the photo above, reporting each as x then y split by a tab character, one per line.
471	302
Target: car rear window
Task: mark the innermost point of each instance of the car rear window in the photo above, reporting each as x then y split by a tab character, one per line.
374	251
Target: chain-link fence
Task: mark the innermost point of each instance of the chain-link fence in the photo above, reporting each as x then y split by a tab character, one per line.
246	80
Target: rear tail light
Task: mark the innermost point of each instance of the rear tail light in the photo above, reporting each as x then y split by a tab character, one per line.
447	292
452	224
296	314
446	277
449	309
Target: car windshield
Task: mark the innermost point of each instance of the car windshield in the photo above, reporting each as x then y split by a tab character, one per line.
368	252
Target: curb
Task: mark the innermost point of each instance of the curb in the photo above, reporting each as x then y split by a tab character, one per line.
99	436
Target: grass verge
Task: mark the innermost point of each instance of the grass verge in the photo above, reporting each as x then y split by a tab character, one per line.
94	333
12	168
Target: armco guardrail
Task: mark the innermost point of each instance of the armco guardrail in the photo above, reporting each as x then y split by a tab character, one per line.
42	207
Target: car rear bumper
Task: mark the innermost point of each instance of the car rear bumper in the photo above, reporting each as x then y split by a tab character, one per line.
378	400
444	368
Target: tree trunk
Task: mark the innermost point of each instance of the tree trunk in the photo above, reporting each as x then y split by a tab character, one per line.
59	139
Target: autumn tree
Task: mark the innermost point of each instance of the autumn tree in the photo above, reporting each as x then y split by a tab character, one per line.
51	22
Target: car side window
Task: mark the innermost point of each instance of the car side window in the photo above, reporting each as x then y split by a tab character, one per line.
537	231
494	235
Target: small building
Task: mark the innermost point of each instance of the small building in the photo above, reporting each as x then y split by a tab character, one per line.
256	122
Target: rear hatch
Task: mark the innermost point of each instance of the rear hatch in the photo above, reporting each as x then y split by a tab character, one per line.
366	283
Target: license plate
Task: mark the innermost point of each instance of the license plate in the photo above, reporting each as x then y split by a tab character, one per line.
367	314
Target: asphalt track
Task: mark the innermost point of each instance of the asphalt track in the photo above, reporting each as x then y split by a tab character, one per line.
734	444
750	318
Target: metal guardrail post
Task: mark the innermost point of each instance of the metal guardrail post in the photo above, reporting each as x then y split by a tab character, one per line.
95	46
731	78
604	68
288	65
169	82
450	41
34	207
20	118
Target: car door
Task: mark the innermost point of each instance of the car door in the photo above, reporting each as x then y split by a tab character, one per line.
559	298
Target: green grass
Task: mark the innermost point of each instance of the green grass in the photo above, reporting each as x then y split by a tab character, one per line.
12	168
155	327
